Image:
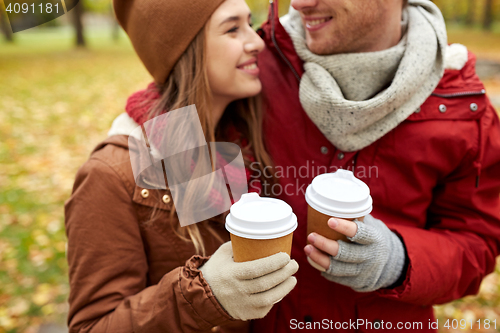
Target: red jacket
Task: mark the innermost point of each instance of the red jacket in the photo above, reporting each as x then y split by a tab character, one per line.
435	181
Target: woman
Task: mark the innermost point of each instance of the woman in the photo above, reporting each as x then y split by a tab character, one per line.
132	267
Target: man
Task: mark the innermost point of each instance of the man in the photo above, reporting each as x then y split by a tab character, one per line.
372	86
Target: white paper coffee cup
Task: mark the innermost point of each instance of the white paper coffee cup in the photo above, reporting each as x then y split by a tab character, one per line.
339	194
260	227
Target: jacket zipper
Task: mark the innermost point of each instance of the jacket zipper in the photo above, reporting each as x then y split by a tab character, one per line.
273	37
461	94
354	162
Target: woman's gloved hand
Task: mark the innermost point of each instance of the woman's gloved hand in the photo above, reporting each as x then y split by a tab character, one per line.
248	290
374	260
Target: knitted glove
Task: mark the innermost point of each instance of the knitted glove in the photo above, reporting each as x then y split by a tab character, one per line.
375	260
248	290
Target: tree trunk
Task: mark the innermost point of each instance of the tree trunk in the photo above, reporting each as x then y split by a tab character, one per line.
5	28
77	20
469	20
488	15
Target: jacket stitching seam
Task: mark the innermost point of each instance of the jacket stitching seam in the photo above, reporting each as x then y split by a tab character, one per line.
118	172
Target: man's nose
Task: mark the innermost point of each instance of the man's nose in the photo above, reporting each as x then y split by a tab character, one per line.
304	4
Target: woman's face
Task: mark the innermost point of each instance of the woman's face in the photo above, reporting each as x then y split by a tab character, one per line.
232	49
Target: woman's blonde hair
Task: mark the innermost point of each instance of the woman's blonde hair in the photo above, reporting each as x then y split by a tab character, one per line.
188	84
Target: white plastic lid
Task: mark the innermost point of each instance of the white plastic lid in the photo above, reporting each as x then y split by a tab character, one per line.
339	194
260	218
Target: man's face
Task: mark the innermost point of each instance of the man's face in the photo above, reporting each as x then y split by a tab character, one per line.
350	26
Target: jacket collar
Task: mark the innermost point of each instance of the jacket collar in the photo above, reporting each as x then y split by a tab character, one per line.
122	125
115	140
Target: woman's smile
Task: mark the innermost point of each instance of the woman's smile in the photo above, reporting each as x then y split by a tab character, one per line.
250	67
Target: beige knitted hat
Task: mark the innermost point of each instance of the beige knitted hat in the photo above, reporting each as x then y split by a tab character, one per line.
161	30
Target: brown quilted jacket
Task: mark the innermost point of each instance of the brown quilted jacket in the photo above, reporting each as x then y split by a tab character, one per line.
129	273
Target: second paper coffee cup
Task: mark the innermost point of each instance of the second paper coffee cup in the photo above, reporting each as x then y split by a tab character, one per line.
260	227
339	194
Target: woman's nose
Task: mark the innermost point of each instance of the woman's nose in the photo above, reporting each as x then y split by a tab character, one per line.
303	4
255	44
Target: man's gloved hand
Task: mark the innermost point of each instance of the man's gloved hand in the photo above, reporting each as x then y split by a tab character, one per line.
248	290
374	260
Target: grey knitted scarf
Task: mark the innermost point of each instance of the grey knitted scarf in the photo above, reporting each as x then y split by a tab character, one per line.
344	94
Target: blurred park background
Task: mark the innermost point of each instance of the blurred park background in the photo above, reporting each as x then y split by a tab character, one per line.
62	84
